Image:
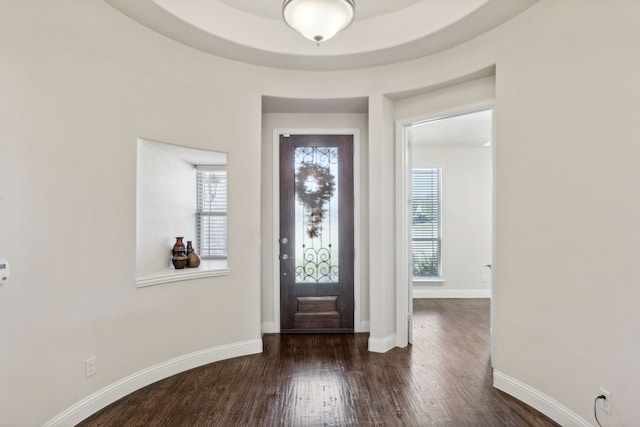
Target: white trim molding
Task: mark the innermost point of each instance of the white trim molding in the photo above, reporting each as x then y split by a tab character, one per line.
540	401
109	394
404	310
269	328
404	287
208	268
365	326
450	293
382	345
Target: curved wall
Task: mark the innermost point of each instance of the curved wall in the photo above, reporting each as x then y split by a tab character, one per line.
80	83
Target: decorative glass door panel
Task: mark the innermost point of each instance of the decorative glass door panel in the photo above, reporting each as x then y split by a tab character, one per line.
316	219
316	232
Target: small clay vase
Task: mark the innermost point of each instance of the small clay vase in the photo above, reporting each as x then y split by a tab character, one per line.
179	261
193	260
179	248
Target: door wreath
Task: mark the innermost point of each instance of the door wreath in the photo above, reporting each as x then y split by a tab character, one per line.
315	186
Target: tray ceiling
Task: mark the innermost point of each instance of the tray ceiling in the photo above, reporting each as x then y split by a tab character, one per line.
383	32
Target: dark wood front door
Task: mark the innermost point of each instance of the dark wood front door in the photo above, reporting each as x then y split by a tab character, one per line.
316	233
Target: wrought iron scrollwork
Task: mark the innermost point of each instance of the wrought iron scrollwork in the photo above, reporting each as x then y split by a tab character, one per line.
316	169
317	266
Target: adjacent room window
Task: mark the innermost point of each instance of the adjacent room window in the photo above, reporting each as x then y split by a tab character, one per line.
211	212
426	222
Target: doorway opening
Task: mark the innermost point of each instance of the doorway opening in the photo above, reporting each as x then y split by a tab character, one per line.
446	227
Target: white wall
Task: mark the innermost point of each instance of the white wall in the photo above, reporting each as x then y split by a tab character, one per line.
271	121
81	82
466	220
382	237
567	303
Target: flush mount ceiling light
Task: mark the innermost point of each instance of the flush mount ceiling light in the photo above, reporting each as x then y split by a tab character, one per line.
318	20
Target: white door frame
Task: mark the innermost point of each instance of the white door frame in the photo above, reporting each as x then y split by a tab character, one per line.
355	132
403	230
404	308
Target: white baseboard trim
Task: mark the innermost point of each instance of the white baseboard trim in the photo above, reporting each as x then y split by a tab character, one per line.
382	345
365	326
540	401
419	292
269	328
100	399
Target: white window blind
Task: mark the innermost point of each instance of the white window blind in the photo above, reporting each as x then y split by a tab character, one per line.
426	222
211	214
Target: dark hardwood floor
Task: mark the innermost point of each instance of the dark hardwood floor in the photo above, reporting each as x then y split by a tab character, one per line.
443	379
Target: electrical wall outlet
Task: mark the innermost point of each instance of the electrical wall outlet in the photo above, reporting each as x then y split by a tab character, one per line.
90	366
605	404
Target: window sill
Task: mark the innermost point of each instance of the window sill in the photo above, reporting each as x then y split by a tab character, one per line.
207	268
428	281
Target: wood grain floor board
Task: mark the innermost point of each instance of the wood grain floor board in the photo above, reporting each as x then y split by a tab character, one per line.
444	380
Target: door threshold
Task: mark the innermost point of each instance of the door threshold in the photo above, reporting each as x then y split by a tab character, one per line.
317	331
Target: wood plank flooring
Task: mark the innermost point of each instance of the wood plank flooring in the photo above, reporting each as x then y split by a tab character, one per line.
443	379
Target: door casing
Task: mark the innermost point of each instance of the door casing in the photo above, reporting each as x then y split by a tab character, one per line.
404	294
355	132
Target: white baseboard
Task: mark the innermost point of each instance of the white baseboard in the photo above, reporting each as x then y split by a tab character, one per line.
382	345
365	326
102	398
540	401
419	292
269	328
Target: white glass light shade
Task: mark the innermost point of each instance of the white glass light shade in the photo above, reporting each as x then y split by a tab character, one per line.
318	20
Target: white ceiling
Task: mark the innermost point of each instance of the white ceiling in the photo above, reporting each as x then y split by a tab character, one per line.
466	130
272	9
193	156
384	31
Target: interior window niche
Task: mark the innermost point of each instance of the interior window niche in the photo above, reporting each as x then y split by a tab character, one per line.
166	208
